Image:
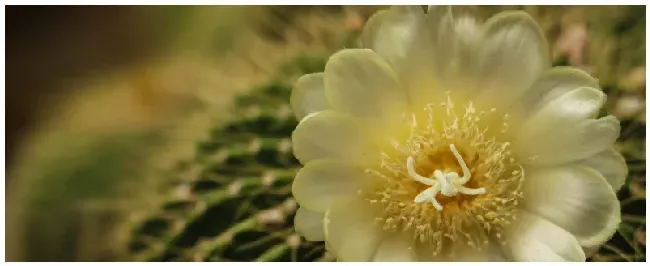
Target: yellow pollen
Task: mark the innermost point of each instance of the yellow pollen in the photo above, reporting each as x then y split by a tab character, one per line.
453	179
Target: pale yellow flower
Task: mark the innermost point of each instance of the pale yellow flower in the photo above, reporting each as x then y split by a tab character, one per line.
450	140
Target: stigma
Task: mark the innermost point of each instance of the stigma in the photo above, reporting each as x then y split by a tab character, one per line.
446	183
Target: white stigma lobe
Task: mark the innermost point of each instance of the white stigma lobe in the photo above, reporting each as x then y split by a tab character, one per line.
448	184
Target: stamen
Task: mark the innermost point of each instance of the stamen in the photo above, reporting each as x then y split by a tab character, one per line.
448	184
494	168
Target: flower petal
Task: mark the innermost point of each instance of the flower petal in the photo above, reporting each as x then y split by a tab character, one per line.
488	253
461	251
592	249
576	198
564	131
395	248
430	50
359	82
532	238
351	232
554	83
514	52
445	55
611	165
425	252
454	37
321	182
329	134
390	32
309	224
308	96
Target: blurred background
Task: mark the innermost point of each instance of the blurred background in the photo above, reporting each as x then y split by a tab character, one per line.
161	133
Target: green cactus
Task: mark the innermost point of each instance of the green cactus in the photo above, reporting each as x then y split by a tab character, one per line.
238	204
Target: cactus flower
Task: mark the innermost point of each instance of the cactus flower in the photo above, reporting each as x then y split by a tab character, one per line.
448	139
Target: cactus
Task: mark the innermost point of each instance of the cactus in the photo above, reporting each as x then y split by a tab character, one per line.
88	190
235	199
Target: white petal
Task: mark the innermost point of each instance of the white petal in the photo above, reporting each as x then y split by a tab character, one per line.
532	238
360	83
351	232
440	39
442	58
390	32
432	46
488	253
590	251
425	252
554	83
321	182
308	96
461	252
396	248
514	52
593	248
328	134
564	131
576	198
309	224
455	38
611	165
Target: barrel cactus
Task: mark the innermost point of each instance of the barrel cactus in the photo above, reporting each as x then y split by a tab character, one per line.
233	197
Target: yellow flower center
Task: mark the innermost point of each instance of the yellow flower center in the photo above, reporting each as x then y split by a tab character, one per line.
448	184
454	182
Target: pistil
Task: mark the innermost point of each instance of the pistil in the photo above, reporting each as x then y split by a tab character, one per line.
446	183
